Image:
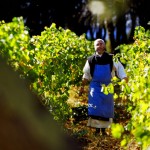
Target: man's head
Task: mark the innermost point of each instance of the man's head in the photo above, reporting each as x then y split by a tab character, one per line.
99	46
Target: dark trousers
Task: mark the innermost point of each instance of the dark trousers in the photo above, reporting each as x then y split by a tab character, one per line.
101	131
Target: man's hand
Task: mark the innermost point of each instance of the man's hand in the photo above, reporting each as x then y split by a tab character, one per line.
84	82
126	79
81	91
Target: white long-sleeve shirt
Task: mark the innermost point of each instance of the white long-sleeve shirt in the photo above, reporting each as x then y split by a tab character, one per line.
117	67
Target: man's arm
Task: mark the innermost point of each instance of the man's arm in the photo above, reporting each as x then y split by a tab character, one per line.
86	77
120	71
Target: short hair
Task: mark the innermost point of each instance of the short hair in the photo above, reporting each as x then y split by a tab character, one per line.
95	42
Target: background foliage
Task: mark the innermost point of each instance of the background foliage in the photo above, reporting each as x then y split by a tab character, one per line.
136	58
53	62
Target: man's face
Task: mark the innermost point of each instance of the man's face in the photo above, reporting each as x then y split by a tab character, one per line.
99	46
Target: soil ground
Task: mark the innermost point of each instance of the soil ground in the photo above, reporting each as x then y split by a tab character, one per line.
77	126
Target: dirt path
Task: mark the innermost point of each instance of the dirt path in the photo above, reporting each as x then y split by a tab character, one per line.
85	135
88	141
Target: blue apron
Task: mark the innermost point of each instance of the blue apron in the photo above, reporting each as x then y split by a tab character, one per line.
100	104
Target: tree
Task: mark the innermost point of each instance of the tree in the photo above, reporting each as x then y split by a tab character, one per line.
76	16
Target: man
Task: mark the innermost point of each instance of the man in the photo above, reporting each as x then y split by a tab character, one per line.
99	69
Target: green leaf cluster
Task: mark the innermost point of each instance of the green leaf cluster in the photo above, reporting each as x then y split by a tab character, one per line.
52	61
136	58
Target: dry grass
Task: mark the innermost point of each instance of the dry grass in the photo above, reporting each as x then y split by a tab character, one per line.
85	135
74	99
